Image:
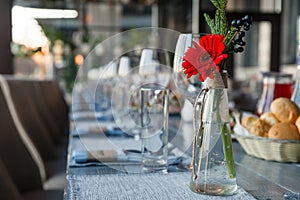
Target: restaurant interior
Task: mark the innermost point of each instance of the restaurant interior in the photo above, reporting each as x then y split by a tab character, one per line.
74	80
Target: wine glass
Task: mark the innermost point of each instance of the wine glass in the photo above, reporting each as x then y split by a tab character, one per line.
153	68
189	88
124	66
121	95
103	92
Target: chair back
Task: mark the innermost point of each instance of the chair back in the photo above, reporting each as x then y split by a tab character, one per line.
56	104
29	116
17	151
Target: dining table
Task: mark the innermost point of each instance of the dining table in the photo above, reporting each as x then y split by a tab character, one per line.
87	178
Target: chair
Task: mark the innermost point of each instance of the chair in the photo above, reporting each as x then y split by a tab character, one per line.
56	103
29	117
9	191
26	117
32	88
56	129
22	159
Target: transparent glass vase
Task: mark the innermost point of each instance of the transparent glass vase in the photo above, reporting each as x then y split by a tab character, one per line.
213	163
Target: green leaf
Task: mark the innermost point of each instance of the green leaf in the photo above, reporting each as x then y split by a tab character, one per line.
223	23
217	21
210	22
218	25
216	3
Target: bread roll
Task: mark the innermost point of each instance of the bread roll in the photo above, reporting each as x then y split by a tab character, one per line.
248	120
297	123
269	118
285	110
284	131
259	128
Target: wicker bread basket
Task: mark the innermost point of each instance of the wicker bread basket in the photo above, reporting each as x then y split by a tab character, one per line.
270	149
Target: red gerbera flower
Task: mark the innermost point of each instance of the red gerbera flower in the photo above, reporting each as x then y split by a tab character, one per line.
204	58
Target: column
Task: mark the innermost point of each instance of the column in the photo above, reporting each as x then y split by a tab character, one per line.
6	66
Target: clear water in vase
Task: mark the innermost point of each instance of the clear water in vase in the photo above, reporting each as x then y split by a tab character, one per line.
212	174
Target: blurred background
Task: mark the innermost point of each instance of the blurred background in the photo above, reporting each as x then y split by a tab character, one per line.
50	38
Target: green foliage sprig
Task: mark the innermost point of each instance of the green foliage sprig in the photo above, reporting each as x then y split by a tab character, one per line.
219	25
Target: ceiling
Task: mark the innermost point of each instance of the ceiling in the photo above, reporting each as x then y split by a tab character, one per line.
48	3
75	3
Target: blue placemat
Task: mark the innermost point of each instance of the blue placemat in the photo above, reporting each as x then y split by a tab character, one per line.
138	186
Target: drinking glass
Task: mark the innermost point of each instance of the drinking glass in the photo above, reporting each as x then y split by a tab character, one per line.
154	123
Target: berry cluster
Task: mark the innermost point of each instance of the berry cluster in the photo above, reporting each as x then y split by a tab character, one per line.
241	26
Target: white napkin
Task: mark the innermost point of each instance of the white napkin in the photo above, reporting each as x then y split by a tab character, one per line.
239	129
110	156
104	156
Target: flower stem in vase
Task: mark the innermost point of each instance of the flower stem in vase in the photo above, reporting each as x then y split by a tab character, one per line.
226	135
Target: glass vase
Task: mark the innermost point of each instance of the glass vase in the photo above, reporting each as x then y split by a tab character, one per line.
213	163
